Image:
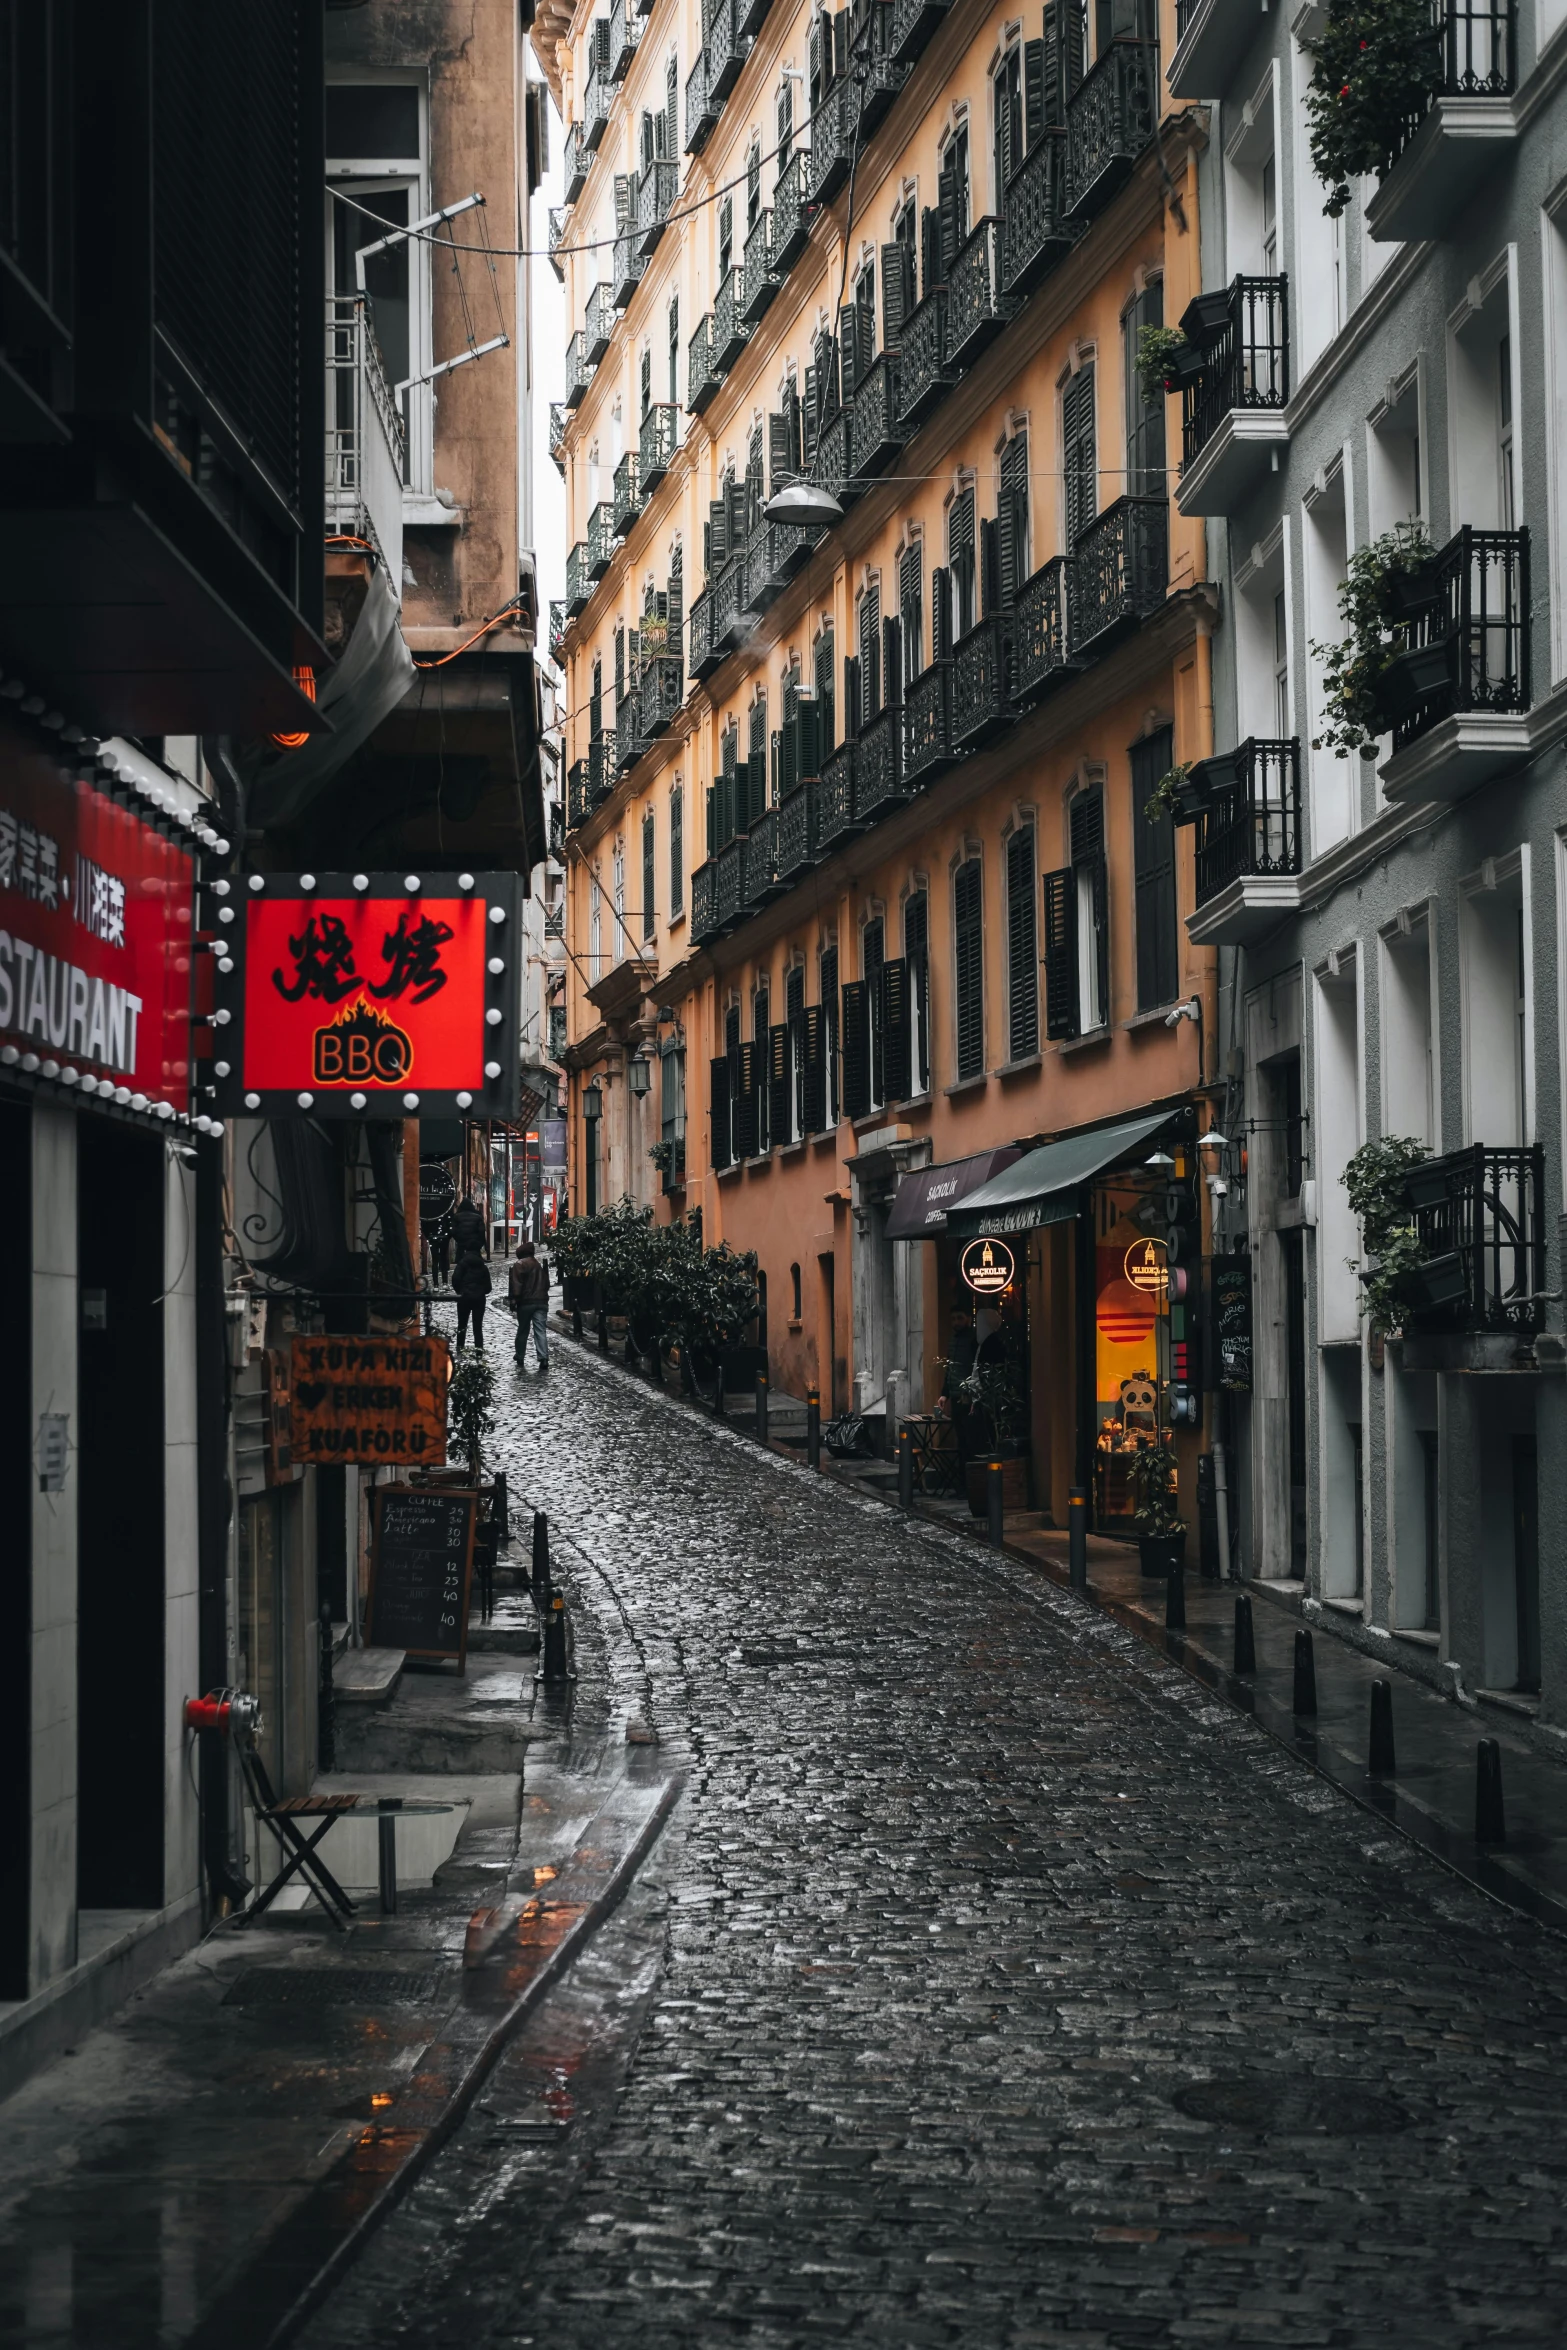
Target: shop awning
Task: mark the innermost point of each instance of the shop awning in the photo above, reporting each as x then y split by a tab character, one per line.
927	1195
1045	1187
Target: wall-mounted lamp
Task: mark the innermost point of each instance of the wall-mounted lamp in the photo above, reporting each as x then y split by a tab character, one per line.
640	1075
593	1102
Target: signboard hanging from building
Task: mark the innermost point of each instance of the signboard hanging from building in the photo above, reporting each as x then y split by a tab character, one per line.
377	1402
988	1266
351	995
96	910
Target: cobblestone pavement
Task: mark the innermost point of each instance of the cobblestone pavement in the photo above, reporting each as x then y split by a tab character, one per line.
994	1984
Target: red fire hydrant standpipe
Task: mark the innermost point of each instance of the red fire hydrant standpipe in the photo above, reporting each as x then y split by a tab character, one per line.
232	1713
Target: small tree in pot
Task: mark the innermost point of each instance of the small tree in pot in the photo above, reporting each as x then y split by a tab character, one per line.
470	1411
1161	1535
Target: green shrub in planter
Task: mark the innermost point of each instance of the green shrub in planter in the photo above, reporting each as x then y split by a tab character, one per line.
1377	1178
1372	600
1376	68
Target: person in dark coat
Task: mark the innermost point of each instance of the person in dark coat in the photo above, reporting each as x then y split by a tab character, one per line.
471	1283
468	1225
528	1288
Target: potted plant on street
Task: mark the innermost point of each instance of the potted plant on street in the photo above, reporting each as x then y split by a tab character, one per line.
995	1428
1161	1535
470	1411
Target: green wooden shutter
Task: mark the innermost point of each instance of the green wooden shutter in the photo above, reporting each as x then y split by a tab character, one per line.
856	1033
969	968
718	1096
814	1053
780	1123
746	1108
897	1038
1153	857
1080	459
897	293
1022	949
1034	91
1061	1012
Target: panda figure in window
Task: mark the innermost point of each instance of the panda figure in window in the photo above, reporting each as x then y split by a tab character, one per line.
1139	1410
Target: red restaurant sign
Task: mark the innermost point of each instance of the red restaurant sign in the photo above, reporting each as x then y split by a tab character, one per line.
95	932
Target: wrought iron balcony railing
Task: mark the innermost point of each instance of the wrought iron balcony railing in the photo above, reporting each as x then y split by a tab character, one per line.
603	764
598	322
729	891
554	921
759	279
874	437
761	884
834	464
557	637
630	743
731	330
625	31
659	694
726	46
1476	45
1246	357
1037	235
703	374
1120	569
927	726
657	184
776	552
729	604
832	141
1111	118
977	306
579	158
557	840
629	263
797	834
1042	656
879	781
579	580
579	794
579	370
601	538
913	23
365	441
628	495
836	820
597	100
701	107
705	925
1480	1217
791	212
1245	805
558	415
701	656
657	440
559	220
1466	645
981	683
924	375
879	73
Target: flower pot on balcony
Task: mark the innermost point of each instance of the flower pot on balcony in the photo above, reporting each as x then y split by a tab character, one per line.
1427	1187
1409	593
1206	316
1442	1281
1161	1554
1014	1478
1410	680
1184	365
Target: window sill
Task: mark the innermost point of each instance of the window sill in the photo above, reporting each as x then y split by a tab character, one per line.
968	1084
916	1103
792	1150
678	921
1416	1639
1020	1068
760	1165
1157	1018
827	1134
1089	1037
730	1174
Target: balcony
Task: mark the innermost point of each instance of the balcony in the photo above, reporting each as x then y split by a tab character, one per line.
1110	119
629	263
598	99
701	107
977	308
703	374
913	23
885	73
729	885
1457	693
1232	422
981	684
579	798
776	552
750	16
579	159
1042	655
1480	1217
659	694
924	374
874	436
705	925
797	831
1430	180
629	741
657	185
1036	234
625	31
657	441
579	371
1211	41
760	863
879	781
726	47
927	727
557	635
834	465
1245	805
832	142
558	416
836	821
603	765
579	583
730	626
364	437
628	496
791	212
702	658
598	323
559	222
1120	571
759	279
601	539
731	331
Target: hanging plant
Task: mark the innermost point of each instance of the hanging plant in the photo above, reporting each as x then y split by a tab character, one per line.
470	1410
1376	1178
1370	604
1377	66
1165	798
1157	348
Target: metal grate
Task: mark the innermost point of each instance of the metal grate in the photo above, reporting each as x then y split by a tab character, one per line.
288	1986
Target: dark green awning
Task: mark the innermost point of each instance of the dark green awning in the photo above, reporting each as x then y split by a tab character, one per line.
1045	1186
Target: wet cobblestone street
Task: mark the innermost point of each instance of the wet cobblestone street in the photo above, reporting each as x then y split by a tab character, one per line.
992	1984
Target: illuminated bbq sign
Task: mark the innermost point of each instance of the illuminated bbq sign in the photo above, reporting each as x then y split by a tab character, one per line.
354	995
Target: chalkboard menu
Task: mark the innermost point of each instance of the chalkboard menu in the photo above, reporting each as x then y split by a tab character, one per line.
421	1562
1232	1322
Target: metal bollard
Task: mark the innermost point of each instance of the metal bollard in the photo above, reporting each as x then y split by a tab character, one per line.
555	1642
995	1513
386	1840
540	1580
603	1332
813	1428
1175	1598
326	1699
1077	1537
1380	1761
905	1468
500	1508
1245	1637
576	1324
761	1407
1490	1817
1305	1674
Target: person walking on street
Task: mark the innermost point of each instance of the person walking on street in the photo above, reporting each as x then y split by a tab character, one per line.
528	1289
467	1225
471	1282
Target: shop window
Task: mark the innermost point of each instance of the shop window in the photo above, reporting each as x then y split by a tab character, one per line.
1155	922
968	969
1022	947
1135	1335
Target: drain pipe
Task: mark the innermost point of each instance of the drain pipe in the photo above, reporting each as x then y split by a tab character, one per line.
1221	1504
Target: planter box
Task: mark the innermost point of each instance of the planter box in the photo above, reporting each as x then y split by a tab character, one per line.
1410	679
1161	1554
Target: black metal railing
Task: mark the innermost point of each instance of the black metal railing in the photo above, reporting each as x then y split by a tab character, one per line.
597	101
981	685
657	440
625	31
1480	1217
601	539
1036	234
874	438
913	23
729	889
1120	568
1466	645
731	330
977	306
750	16
729	605
832	141
761	882
579	157
775	554
1246	359
579	801
791	212
659	693
629	263
1111	118
797	830
835	812
1474	47
557	636
927	726
726	47
759	280
579	583
630	742
598	322
879	782
1041	632
879	73
558	415
579	370
701	658
702	107
1245	805
834	467
703	375
628	494
924	375
603	764
656	186
704	905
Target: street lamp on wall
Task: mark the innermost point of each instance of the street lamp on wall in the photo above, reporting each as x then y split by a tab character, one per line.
641	1076
593	1102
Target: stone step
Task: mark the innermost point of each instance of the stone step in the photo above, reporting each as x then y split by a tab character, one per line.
366	1676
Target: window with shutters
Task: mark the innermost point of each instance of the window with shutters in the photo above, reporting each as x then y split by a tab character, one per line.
899	292
596	697
672	1104
753	185
648	923
761	1020
784	124
390	183
916	953
720	1079
868	633
794	1018
596	925
645	381
1012	518
672	105
856	1034
911	609
1144	407
829	996
756	761
1154	913
649	139
1006	119
1090	892
677	852
1079	454
826	693
620	897
968	970
780	1083
960	561
1022	947
952	199
897	1058
673	394
726	236
873	951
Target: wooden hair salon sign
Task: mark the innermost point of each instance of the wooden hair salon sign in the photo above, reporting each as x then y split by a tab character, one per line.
375	1401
